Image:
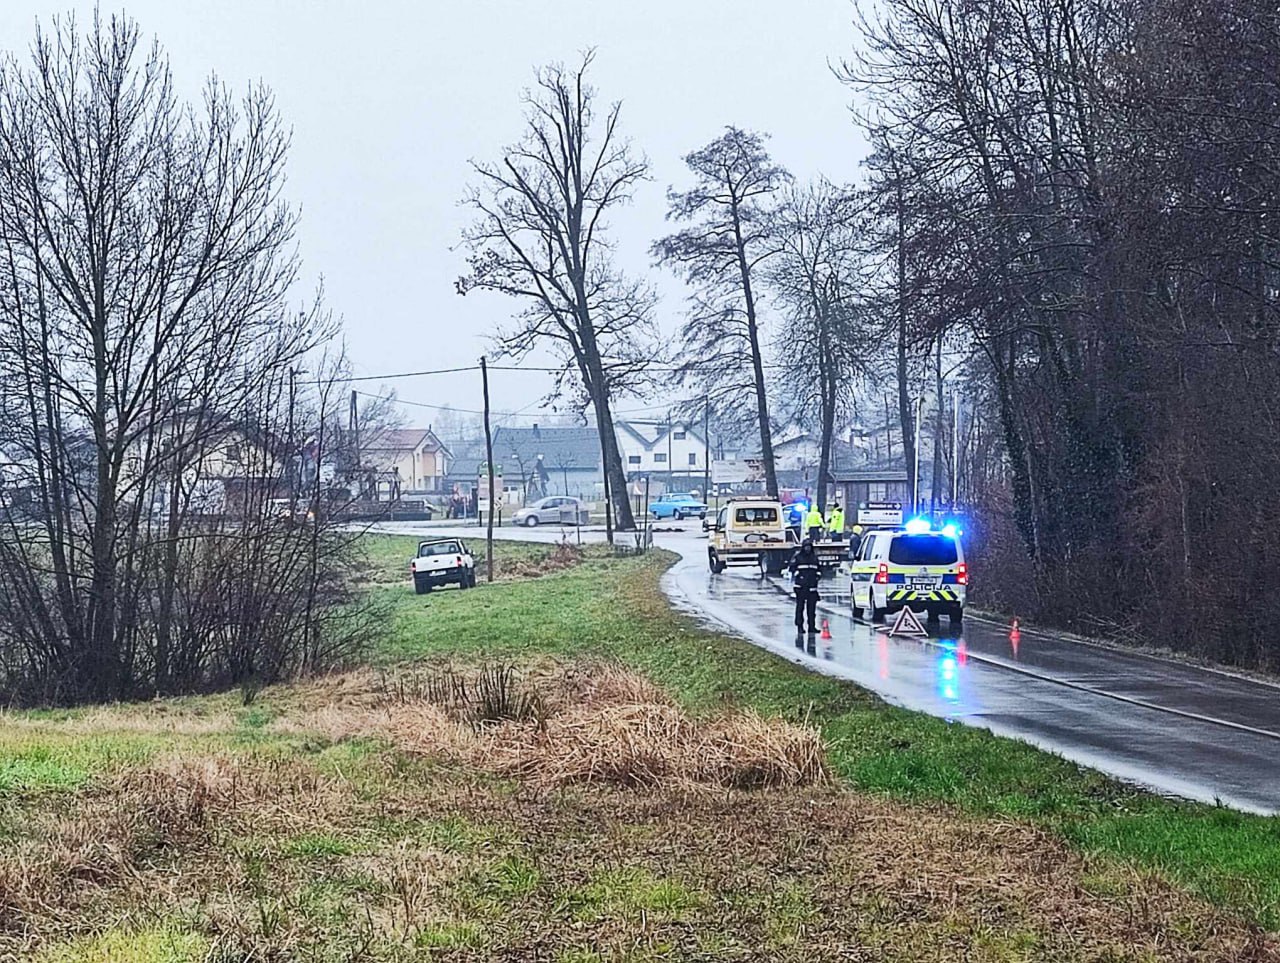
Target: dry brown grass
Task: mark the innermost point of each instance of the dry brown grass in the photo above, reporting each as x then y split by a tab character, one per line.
71	847
147	718
276	858
577	723
564	555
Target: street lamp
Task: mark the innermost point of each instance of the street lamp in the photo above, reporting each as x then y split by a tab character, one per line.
915	475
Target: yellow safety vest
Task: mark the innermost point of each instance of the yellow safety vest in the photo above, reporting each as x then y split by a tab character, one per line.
835	522
813	519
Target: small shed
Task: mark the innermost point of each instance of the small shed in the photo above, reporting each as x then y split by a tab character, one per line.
868	484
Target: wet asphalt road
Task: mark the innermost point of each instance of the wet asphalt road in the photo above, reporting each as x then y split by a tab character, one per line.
1177	729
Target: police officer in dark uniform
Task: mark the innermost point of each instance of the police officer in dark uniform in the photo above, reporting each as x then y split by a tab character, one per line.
805	573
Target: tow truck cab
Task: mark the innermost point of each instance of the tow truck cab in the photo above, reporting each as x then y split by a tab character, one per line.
750	531
754	531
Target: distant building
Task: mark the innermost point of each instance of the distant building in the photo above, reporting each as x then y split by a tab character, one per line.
662	452
401	461
857	481
534	462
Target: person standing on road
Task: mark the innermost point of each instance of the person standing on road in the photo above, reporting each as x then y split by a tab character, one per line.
855	541
813	523
835	522
805	573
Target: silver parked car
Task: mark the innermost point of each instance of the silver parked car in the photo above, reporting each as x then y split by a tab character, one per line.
553	510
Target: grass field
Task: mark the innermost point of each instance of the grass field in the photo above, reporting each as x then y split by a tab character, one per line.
357	818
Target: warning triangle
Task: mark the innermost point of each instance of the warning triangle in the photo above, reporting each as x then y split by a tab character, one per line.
908	623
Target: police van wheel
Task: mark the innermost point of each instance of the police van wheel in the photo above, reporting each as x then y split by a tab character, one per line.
877	613
956	617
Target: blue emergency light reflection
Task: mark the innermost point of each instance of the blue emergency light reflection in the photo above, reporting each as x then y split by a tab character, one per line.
917	526
950	531
948	674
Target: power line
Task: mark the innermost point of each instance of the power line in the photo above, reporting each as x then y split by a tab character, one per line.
409	374
463	411
394	376
521	413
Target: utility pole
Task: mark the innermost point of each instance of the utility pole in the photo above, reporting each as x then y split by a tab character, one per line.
939	428
706	449
915	475
671	480
955	450
353	432
295	461
608	503
488	454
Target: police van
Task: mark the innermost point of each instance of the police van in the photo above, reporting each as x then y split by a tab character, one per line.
917	566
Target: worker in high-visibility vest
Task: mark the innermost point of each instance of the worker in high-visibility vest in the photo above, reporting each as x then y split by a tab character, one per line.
813	523
835	522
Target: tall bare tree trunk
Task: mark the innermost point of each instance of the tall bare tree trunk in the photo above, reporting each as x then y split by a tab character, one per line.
905	419
939	430
757	363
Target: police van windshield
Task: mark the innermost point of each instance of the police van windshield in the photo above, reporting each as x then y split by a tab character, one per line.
755	516
439	548
922	550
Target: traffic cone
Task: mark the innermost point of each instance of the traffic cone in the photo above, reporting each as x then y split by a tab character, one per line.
1015	636
826	630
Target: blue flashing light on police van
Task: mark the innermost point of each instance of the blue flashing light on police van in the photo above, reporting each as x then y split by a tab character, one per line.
918	526
950	531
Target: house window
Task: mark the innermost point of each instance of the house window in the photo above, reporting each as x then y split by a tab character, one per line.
660	457
633	459
693	458
679	436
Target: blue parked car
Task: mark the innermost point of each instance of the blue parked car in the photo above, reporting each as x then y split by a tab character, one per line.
678	506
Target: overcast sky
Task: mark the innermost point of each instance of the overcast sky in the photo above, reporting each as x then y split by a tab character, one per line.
389	99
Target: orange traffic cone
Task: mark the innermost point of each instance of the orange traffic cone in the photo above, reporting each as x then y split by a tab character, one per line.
1015	636
826	630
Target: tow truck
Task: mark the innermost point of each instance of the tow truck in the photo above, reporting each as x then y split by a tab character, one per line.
754	531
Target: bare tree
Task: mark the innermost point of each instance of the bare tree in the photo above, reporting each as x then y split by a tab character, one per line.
827	342
718	255
145	257
540	235
1085	192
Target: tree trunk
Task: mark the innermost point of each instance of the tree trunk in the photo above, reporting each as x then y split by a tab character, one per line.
757	363
592	369
624	519
100	670
905	419
828	430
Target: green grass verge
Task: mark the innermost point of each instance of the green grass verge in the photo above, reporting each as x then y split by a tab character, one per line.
613	608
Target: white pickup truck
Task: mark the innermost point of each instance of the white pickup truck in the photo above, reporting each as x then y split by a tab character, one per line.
442	561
